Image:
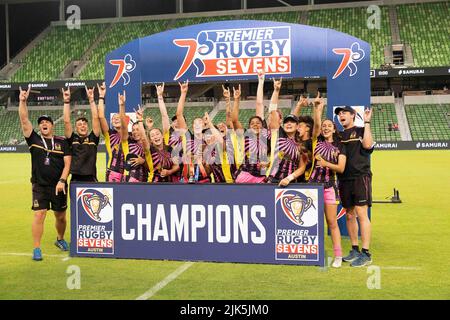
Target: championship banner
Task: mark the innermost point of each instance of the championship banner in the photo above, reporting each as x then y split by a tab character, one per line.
246	223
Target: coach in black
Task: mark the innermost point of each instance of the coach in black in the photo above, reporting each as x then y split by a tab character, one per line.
84	144
50	159
355	183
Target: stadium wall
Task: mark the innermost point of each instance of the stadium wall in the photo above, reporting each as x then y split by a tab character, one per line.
427	99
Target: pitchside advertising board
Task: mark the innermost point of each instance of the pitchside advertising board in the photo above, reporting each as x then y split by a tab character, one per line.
246	223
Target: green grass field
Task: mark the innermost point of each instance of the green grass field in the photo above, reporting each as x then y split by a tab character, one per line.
410	245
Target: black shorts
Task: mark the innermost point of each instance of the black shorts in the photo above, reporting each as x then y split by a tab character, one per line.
80	178
357	192
44	197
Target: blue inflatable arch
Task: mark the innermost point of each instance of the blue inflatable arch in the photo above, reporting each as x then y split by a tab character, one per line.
234	51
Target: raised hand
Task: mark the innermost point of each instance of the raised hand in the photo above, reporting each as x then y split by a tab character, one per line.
90	93
261	75
184	86
101	90
303	101
139	113
206	119
277	84
367	114
66	95
121	98
24	94
318	101
160	90
149	123
237	92
226	92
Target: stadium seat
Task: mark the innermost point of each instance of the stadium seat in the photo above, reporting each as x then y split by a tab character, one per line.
429	122
426	28
354	22
49	58
384	115
119	34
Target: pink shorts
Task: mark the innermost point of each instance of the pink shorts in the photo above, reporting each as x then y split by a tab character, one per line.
329	196
114	176
245	177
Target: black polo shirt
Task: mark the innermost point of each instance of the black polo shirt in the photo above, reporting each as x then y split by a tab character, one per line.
84	154
358	158
47	159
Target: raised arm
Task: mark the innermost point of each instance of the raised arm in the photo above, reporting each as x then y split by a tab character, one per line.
272	123
25	122
235	113
180	108
302	103
317	116
367	141
68	130
124	126
94	111
260	95
140	121
162	108
216	133
101	108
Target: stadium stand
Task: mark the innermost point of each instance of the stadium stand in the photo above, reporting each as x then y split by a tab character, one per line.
290	17
426	27
384	120
429	122
119	34
190	113
61	46
354	21
10	129
428	39
178	23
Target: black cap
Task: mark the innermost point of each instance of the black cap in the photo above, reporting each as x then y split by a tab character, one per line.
290	117
45	117
346	108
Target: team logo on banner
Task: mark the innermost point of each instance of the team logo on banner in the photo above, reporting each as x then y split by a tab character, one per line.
294	205
296	224
124	67
95	223
349	59
232	52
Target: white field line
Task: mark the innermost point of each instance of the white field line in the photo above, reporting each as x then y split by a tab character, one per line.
151	292
401	268
12	181
20	254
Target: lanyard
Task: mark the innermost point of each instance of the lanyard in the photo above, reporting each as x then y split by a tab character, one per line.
45	145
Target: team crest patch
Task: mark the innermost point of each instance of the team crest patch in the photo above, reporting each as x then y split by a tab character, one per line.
95	220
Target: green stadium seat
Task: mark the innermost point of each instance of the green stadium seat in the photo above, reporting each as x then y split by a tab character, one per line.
61	46
383	116
429	122
353	21
426	27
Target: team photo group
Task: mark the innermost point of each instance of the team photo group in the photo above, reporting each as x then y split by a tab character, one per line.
276	148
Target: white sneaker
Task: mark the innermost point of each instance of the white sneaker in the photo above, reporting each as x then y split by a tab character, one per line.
337	262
